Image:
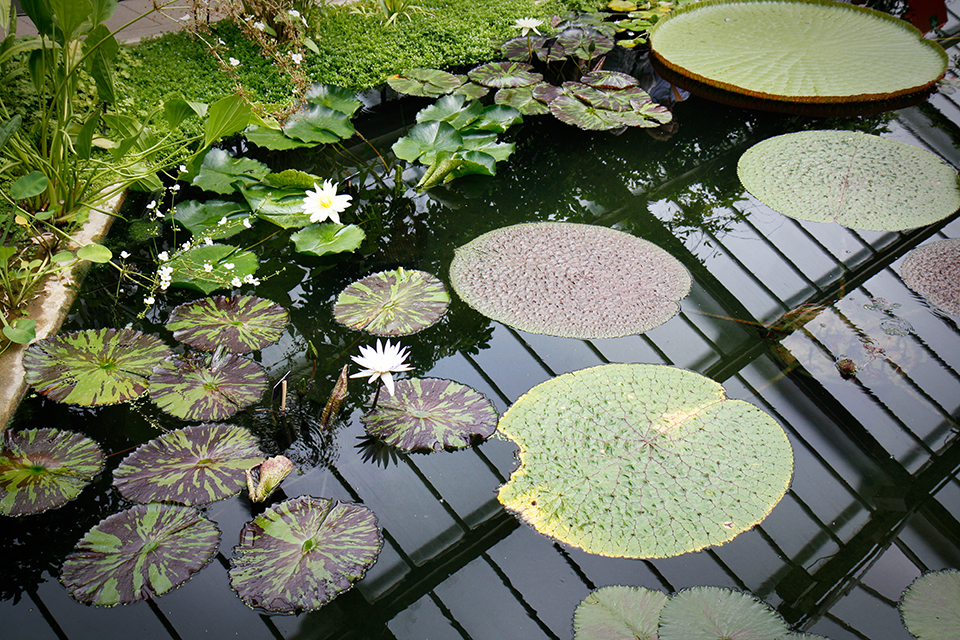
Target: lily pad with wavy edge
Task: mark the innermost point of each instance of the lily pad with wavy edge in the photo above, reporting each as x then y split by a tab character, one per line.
334	97
192	466
43	469
583	42
237	324
712	613
198	388
425	140
642	461
93	367
432	414
619	613
470	90
573	111
213	219
427	83
392	303
810	51
319	125
521	99
220	171
140	553
929	605
282	206
857	180
302	553
498	75
569	280
227	263
933	271
329	237
271	138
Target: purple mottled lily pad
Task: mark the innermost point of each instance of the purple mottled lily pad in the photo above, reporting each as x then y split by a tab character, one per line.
609	80
432	414
302	553
392	303
192	466
205	388
139	553
497	75
521	49
238	324
521	99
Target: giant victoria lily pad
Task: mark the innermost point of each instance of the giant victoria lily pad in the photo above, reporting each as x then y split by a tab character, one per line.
139	553
205	388
933	271
569	280
642	461
431	414
300	554
93	367
43	469
238	324
392	303
192	466
929	605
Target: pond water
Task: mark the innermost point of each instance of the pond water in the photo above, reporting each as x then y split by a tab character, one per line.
874	499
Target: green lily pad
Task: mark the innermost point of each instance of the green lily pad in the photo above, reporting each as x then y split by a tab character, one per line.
270	138
205	388
220	171
521	99
192	466
619	613
282	206
427	83
851	178
213	219
929	605
576	112
334	97
293	178
392	303
44	469
320	125
432	414
642	461
328	237
139	554
933	271
206	268
93	367
497	75
712	613
453	109
425	140
609	80
471	90
236	324
569	280
302	553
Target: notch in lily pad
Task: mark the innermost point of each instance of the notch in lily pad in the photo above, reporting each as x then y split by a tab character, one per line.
207	268
392	303
237	324
206	387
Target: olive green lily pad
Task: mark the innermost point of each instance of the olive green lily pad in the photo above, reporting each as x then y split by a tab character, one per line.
138	554
855	179
432	414
334	97
237	324
619	613
809	51
192	466
328	237
44	469
302	553
497	75
93	367
206	268
712	613
204	388
569	280
933	271
574	111
642	461
929	605
521	99
319	124
428	83
392	303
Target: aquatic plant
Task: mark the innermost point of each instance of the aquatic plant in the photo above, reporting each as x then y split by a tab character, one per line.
392	303
206	387
324	118
380	364
236	324
929	605
425	83
208	267
324	203
619	613
933	271
265	478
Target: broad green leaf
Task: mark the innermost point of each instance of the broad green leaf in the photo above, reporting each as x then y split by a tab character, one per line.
471	90
206	387
619	613
497	75
292	178
69	14
933	271
40	15
21	331
214	218
336	98
225	117
280	206
392	303
219	172
521	99
8	128
319	124
929	605
424	141
207	268
95	253
32	184
91	127
328	237
236	324
497	118
429	83
712	613
176	110
103	10
578	113
451	109
101	48
270	138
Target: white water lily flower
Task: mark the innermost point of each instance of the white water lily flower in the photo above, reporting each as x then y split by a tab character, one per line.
526	25
381	363
324	203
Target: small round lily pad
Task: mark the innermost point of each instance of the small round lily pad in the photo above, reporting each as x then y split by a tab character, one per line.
238	324
619	613
431	83
929	605
712	613
392	303
498	75
933	271
206	388
569	280
432	414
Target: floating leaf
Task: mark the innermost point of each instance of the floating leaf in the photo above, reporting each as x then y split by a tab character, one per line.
585	43
497	75
427	83
609	80
205	388
857	180
139	554
237	324
192	466
333	97
329	237
392	303
270	473
282	206
712	613
94	253
642	461
190	268
43	469
521	99
319	124
431	414
929	605
213	218
471	90
578	113
93	367
220	171
619	613
933	271
300	554
270	138
425	140
569	280
451	109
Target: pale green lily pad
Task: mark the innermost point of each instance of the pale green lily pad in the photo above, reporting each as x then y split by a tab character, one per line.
213	219
237	324
220	171
712	613
851	178
933	271
642	461
43	469
270	138
392	303
328	237
429	83
282	206
334	97
319	124
205	388
521	99
93	367
206	268
930	608
619	613
498	75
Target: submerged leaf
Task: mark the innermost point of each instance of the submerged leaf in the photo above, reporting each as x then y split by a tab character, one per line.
619	613
206	388
929	605
392	303
712	613
237	324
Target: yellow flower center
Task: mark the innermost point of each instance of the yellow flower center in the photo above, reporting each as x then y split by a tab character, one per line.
325	201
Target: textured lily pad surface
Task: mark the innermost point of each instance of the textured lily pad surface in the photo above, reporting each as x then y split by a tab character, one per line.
799	51
619	613
432	414
933	271
139	553
855	179
392	303
43	469
238	324
300	554
712	613
642	461
192	466
206	388
569	280
929	605
93	367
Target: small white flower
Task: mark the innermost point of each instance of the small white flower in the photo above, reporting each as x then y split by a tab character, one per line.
228	266
323	203
175	187
381	363
222	221
207	267
246	223
182	168
220	40
184	17
235	282
526	25
259	26
185	246
163	256
249	279
234	62
158	215
124	255
294	13
208	242
296	57
152	205
148	301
